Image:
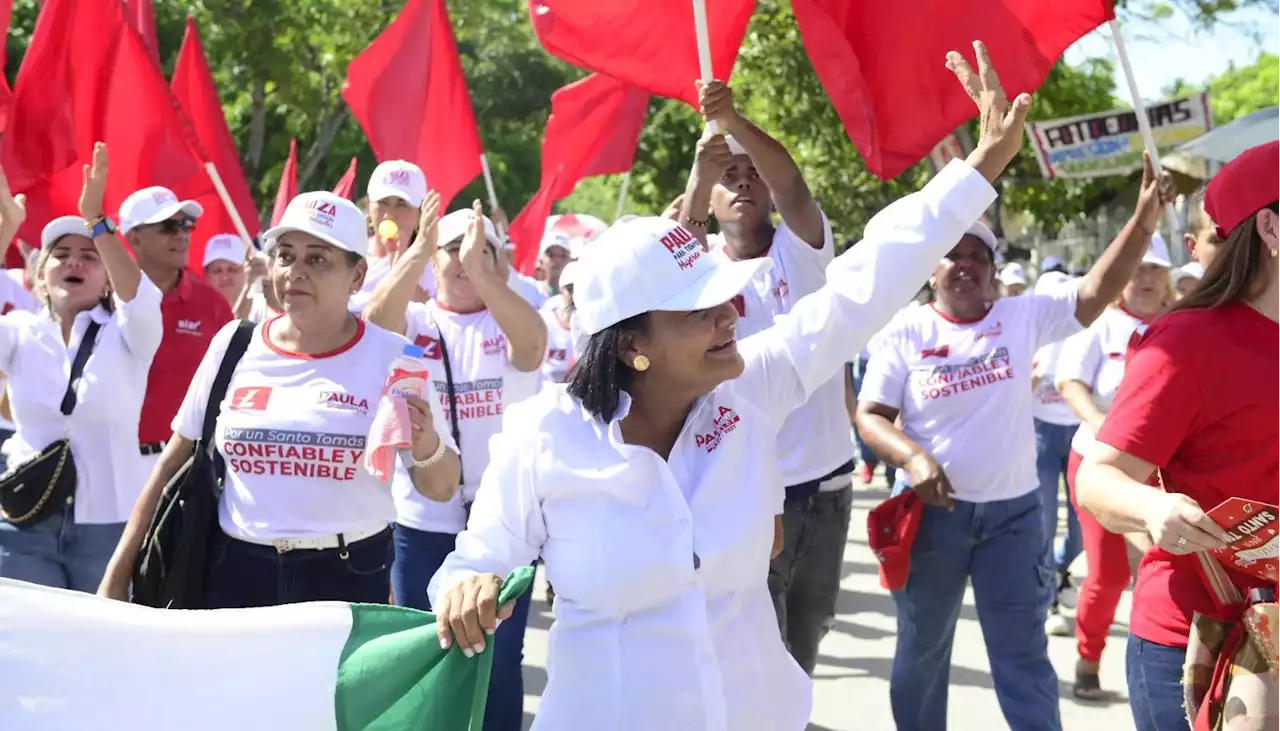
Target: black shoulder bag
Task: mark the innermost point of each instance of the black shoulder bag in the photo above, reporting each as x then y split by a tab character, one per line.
29	492
171	569
453	404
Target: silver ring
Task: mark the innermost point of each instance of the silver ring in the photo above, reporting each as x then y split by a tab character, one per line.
1181	543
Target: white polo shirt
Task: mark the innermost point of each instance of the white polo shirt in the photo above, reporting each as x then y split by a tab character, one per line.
561	353
815	439
14	297
663	617
293	432
485	384
103	428
964	388
1095	357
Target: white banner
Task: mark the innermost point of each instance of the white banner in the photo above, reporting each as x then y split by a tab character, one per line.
1108	143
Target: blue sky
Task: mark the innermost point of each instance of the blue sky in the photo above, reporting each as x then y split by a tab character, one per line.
1173	49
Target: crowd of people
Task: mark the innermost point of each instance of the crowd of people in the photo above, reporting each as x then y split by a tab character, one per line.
661	420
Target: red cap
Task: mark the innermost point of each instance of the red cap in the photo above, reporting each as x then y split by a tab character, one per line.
891	529
1243	187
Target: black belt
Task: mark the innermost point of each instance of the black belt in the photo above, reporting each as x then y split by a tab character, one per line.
812	487
151	448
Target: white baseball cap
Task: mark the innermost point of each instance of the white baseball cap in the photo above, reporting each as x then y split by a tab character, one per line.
1158	252
568	275
557	238
1013	274
1191	270
453	226
330	218
224	247
649	264
1050	281
398	179
62	226
980	230
153	205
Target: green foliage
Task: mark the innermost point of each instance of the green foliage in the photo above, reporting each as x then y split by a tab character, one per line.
1239	91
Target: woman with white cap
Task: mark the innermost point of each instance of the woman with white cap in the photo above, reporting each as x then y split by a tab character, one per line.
99	328
301	517
557	313
1012	280
649	484
958	373
485	344
1087	373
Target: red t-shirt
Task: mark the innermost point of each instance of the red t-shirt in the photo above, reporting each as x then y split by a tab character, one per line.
1199	401
193	313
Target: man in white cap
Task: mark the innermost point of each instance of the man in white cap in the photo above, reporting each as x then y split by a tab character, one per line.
741	180
1012	280
396	192
158	228
555	250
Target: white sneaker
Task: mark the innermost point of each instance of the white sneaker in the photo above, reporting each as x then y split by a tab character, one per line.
1056	625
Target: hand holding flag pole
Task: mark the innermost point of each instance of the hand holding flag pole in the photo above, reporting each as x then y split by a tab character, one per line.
1144	124
488	185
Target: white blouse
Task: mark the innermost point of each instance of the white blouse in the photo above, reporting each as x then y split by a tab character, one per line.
103	428
663	615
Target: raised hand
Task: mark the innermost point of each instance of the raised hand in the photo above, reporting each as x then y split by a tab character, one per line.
1000	123
711	158
473	255
95	185
426	241
1157	191
13	209
715	102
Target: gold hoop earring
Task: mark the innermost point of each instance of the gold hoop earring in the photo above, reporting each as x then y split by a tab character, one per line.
640	363
1273	253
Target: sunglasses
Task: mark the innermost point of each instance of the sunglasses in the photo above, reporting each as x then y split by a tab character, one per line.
174	225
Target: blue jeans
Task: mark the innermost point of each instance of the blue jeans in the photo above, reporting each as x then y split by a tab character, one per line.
419	555
857	370
1155	685
58	551
997	545
243	575
1053	446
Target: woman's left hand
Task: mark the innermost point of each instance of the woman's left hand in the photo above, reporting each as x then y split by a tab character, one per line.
424	438
95	184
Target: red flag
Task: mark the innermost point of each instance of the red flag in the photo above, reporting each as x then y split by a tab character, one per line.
646	44
408	94
593	129
86	77
882	63
193	87
347	183
288	188
143	18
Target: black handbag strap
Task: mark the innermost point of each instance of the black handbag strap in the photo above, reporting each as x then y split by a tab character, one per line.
453	402
77	367
235	351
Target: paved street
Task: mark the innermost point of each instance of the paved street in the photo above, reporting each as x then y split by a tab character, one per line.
851	685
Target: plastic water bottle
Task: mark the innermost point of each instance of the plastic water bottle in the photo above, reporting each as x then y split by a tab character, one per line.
408	375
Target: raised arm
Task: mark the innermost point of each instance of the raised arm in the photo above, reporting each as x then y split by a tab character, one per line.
526	332
390	299
122	270
1103	283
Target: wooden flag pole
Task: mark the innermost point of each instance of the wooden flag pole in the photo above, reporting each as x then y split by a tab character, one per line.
245	239
622	195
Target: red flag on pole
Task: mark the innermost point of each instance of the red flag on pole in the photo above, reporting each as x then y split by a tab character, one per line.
408	94
85	78
193	87
882	63
288	184
593	129
646	44
143	18
347	183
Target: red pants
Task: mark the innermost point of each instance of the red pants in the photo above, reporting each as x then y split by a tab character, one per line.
1108	557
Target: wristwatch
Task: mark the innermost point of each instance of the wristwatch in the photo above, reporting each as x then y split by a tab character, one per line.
102	226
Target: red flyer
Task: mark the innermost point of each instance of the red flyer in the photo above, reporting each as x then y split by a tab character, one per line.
1254	527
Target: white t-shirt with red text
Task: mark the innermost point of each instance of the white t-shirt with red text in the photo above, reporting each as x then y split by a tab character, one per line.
484	384
561	353
964	388
1095	358
1047	404
815	438
292	431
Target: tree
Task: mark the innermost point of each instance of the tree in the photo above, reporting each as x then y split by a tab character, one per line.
1238	91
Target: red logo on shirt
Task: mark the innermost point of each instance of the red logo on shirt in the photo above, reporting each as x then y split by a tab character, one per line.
250	398
1115	356
993	331
557	354
8	307
940	352
430	346
343	401
780	291
725	422
495	346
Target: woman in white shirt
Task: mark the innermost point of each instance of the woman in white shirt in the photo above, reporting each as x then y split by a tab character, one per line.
649	484
557	313
958	373
302	518
1088	372
485	344
87	277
